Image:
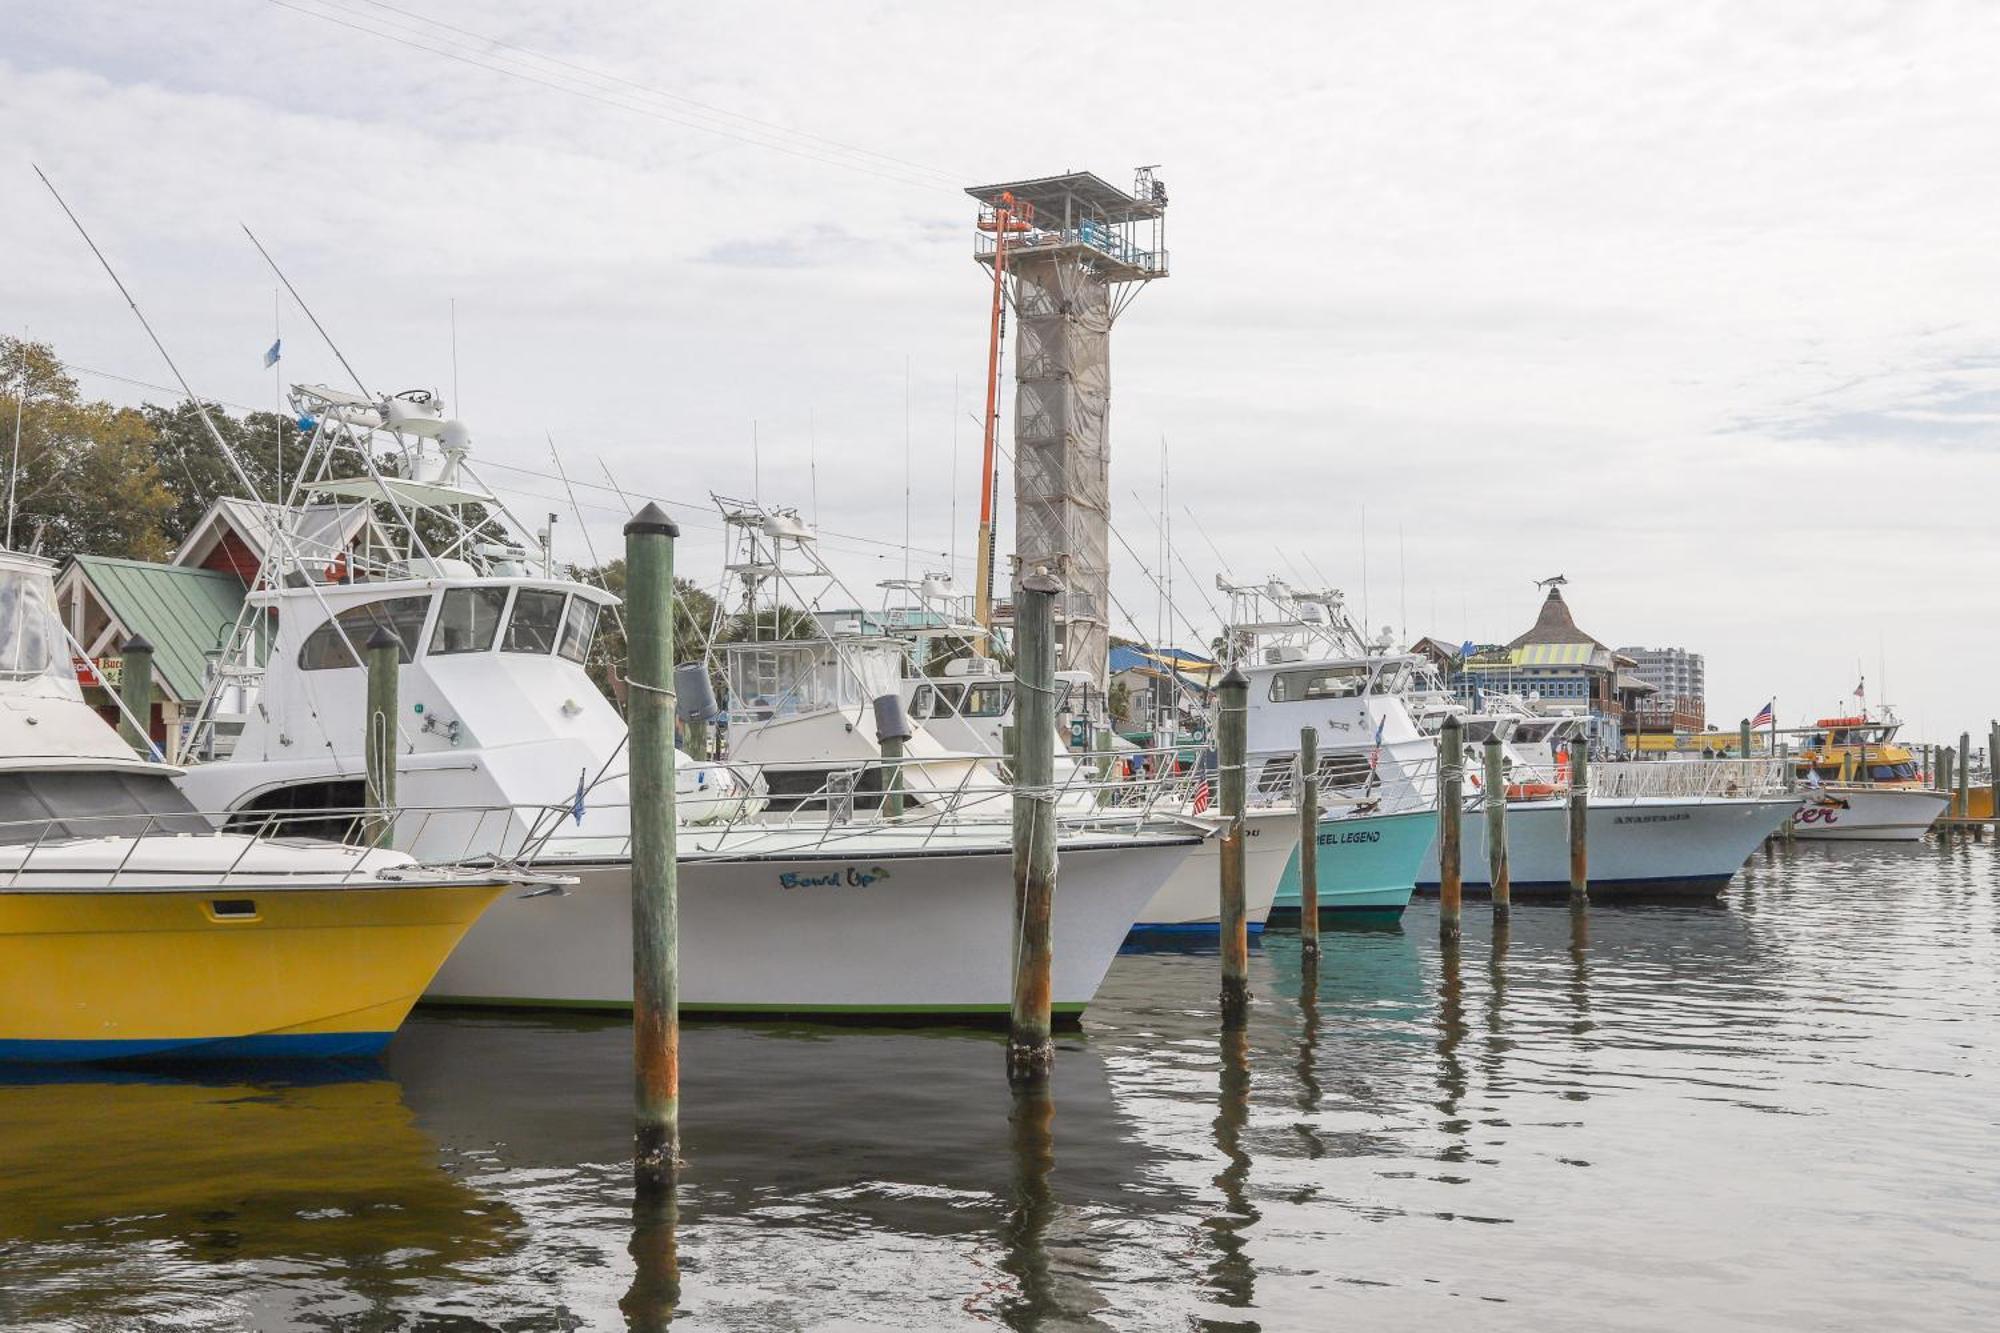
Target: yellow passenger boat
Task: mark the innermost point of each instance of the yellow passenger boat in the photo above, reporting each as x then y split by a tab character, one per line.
130	927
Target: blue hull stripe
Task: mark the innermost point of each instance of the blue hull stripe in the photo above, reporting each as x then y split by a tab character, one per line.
262	1046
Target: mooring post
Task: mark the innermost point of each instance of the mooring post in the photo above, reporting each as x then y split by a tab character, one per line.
1497	871
656	1017
378	750
1944	764
1993	775
135	691
1030	1047
892	728
1579	820
1232	720
1451	808
1743	740
1964	768
1309	841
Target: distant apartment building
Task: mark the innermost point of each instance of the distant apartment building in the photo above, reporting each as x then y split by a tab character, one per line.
1676	674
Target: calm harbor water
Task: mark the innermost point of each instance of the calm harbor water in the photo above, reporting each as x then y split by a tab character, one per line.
1774	1113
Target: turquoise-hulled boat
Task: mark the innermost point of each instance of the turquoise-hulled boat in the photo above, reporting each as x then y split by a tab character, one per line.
1367	868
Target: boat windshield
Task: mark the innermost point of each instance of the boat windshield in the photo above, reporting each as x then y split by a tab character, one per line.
806	676
31	640
39	806
1319	682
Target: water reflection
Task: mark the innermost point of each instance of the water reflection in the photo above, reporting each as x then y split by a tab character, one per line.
1787	1083
1232	1278
118	1184
1452	1027
1031	1136
649	1303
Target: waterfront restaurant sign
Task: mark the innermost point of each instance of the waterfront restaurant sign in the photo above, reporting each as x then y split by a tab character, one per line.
106	673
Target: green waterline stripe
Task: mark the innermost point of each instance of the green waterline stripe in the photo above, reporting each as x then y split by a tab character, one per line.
625	1006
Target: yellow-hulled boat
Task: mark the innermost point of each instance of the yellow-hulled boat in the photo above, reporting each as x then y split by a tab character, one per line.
130	927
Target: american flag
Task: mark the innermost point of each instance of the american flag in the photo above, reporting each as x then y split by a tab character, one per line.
1765	717
1203	794
1375	755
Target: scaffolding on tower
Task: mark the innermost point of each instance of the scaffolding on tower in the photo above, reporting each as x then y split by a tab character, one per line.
1070	253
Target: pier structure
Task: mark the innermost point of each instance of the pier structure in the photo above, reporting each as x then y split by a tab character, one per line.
1071	252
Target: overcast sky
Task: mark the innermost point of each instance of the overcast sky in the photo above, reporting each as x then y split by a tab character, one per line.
1693	303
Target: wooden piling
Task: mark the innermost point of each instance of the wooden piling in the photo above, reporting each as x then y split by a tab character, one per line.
1451	807
1498	873
1944	764
1030	1047
378	752
1743	739
1961	807
1232	719
656	1023
1993	773
1309	841
135	691
1579	820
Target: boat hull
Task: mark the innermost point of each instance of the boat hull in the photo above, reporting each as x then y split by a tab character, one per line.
1189	902
1871	814
1641	847
1367	867
817	935
102	975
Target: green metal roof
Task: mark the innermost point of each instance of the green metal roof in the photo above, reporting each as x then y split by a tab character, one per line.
184	613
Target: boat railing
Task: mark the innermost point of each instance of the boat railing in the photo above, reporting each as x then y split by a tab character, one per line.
1691	779
478	835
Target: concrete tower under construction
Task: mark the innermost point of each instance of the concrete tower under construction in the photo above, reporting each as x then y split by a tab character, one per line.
1070	253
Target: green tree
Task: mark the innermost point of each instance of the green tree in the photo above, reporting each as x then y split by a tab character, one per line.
198	474
86	478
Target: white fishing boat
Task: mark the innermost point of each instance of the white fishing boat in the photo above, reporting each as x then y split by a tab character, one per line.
809	712
1667	828
506	748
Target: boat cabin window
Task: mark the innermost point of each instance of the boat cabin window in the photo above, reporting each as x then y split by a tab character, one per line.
326	650
92	805
578	627
536	622
1391	679
468	619
1336	682
986	700
28	636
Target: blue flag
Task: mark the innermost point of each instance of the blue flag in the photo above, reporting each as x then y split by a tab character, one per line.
576	806
271	354
1465	649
